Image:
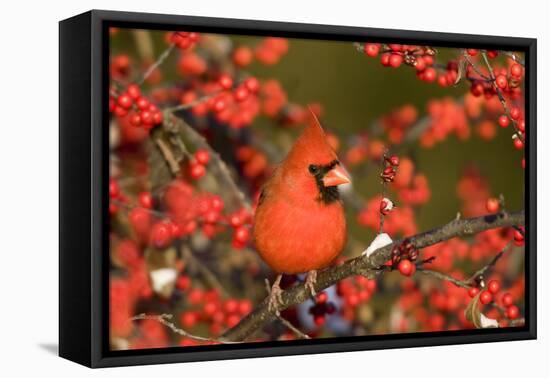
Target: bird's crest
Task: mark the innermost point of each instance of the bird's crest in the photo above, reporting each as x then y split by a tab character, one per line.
312	145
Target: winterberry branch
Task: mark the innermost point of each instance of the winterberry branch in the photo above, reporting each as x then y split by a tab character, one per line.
501	96
368	267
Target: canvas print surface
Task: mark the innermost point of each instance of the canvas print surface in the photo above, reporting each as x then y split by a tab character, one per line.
272	189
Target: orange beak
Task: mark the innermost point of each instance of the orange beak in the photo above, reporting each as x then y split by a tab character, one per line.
336	176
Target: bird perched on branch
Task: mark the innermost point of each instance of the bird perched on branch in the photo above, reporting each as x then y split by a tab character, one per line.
299	225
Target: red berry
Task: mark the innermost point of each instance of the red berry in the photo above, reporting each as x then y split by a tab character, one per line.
146	118
242	56
217	203
252	84
492	54
507	300
231	306
394	160
385	59
242	234
512	312
133	91
245	306
202	156
322	297
145	200
521	125
241	93
161	235
135	119
197	170
519	239
183	283
503	121
473	292
225	81
142	103
492	205
476	89
219	105
429	74
518	144
114	189
486	297
493	286
395	60
319	320
188	319
235	220
140	219
516	70
501	81
472	52
124	101
157	117
420	64
515	113
406	268
371	49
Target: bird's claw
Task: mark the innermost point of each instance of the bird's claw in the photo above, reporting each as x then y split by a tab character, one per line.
311	279
275	296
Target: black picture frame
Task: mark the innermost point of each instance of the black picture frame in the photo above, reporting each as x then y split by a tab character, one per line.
83	197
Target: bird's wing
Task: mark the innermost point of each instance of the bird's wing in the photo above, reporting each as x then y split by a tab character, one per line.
264	192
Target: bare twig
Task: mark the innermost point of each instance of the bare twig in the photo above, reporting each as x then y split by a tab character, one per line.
295	330
162	57
165	319
445	277
491	264
168	156
191	104
285	322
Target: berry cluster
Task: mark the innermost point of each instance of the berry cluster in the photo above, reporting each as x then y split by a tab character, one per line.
487	296
403	257
421	58
355	292
390	169
271	50
197	166
321	308
183	40
208	308
138	108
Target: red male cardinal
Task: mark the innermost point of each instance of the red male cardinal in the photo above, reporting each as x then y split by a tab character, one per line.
299	224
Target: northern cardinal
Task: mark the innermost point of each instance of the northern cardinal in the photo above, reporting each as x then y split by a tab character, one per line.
299	225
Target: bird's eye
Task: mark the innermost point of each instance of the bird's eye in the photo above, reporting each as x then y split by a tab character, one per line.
313	169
